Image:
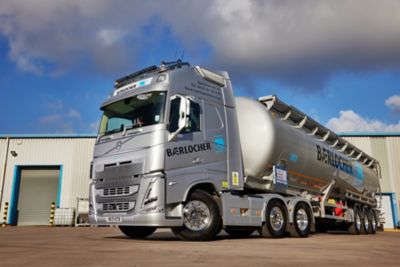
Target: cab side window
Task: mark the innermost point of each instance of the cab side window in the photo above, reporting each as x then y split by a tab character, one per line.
174	115
194	117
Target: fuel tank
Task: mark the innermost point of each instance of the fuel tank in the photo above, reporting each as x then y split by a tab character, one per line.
273	137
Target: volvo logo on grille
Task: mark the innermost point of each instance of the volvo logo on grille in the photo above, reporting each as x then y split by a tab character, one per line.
118	146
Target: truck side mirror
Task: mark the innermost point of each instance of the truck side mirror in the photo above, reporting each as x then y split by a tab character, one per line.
179	115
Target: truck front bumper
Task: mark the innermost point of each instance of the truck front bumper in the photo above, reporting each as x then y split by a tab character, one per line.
150	219
136	202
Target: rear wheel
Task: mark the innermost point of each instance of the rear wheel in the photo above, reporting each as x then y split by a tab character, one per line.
365	222
356	227
275	220
239	233
373	222
137	231
301	220
201	218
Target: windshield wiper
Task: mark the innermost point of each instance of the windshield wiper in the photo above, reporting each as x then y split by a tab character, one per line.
116	130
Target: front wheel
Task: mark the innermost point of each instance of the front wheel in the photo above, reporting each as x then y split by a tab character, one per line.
201	218
137	231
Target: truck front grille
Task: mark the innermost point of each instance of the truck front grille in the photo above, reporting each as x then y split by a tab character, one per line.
116	191
114	171
118	206
119	191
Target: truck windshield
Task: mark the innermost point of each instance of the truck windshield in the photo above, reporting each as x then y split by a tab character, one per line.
137	111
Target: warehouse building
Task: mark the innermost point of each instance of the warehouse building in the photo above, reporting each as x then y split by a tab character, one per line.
41	169
38	170
385	147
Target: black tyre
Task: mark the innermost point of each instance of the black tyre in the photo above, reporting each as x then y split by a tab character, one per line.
238	233
365	222
137	231
357	226
373	222
301	220
275	220
201	218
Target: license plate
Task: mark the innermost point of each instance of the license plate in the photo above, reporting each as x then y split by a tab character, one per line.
114	219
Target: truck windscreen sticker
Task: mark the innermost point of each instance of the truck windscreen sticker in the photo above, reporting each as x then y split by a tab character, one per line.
181	150
134	85
334	160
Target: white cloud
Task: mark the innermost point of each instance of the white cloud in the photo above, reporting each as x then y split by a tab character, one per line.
61	121
55	123
300	42
349	121
393	103
52	118
110	36
73	113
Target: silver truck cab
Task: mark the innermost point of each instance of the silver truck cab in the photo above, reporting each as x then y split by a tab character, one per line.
166	133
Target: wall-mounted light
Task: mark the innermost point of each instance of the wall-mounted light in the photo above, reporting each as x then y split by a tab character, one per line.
13	153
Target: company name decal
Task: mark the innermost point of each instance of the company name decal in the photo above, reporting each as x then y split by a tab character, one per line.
181	150
334	160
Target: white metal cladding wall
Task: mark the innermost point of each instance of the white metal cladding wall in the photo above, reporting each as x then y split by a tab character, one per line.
73	154
393	148
380	152
386	149
3	145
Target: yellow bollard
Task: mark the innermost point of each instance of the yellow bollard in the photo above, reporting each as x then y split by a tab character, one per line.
52	211
5	215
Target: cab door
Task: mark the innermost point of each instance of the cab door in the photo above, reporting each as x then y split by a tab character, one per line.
186	152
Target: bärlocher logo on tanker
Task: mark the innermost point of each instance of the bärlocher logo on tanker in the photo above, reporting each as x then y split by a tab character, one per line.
181	150
334	160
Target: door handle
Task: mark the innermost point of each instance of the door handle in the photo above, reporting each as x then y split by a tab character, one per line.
197	160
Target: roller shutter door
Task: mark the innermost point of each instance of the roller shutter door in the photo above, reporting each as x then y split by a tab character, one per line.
38	189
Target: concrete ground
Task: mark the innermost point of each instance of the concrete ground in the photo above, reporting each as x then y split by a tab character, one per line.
45	246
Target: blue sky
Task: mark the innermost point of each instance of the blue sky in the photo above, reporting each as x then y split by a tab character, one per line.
58	59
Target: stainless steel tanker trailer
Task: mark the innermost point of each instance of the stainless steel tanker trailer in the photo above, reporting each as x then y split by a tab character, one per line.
176	149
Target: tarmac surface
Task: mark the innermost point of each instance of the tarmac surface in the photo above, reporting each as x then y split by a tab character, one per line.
87	246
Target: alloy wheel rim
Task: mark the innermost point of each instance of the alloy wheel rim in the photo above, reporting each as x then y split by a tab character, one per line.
302	219
358	222
276	218
366	223
196	215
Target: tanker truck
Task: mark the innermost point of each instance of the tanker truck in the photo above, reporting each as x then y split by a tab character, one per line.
176	149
